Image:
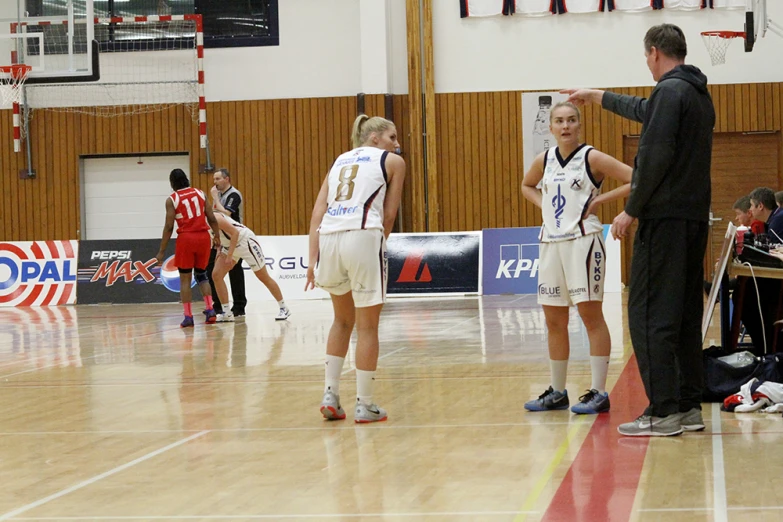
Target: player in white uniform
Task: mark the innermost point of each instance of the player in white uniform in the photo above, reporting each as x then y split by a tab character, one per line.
572	253
239	242
352	218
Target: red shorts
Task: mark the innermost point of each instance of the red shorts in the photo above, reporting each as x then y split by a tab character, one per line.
192	250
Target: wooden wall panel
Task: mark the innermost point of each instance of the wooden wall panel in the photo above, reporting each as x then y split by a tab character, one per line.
279	152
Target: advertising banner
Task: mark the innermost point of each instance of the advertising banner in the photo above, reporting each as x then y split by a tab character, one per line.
434	263
511	264
38	273
286	260
125	271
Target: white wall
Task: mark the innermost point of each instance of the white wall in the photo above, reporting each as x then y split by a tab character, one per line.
599	49
318	56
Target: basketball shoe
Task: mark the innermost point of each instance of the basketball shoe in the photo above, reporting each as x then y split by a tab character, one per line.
365	413
549	400
330	406
591	403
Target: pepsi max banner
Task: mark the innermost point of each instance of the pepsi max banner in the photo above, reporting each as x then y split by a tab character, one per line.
286	259
510	261
125	271
38	273
434	263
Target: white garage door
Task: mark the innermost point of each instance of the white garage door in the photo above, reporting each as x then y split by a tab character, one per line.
125	198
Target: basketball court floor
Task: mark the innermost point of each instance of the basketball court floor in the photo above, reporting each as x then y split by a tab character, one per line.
115	413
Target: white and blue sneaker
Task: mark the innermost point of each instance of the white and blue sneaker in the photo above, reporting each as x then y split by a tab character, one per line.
549	400
592	403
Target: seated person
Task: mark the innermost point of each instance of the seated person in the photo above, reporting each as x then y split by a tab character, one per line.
779	198
759	309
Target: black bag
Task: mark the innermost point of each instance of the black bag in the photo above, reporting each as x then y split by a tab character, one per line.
722	380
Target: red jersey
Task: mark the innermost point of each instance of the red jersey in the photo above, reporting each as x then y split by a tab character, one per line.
189	204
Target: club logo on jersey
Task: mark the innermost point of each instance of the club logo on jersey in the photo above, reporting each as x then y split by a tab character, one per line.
576	184
340	210
559	202
35	273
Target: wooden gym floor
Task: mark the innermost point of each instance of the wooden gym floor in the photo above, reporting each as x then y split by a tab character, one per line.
115	413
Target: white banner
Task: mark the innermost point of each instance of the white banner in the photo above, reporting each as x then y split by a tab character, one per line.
536	137
286	260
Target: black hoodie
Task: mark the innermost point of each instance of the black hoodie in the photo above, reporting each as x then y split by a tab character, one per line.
671	176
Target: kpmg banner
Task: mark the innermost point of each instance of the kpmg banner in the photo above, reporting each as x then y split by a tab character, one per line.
510	261
125	271
286	260
38	273
434	263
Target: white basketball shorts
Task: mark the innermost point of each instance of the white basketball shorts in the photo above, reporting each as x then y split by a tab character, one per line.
573	271
249	249
353	261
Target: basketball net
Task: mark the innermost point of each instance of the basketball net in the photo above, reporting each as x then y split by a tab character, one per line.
717	42
12	78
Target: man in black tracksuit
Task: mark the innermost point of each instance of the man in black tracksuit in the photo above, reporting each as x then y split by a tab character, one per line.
670	196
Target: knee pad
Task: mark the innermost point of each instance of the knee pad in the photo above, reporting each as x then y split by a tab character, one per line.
201	276
184	270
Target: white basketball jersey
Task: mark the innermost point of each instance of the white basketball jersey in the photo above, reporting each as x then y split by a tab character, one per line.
357	190
225	239
483	7
583	6
534	7
567	188
633	5
684	5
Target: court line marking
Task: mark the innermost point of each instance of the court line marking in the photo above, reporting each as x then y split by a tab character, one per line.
102	476
731	508
329	427
549	471
718	468
308	515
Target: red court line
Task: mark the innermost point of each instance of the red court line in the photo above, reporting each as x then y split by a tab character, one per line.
602	481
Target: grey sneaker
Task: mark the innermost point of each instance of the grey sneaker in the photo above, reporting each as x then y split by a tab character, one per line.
225	317
647	426
549	400
330	406
368	413
692	420
283	314
592	402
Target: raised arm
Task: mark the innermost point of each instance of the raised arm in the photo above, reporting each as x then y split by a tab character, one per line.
395	172
631	107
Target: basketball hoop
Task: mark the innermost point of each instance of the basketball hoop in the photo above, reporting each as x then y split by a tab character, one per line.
717	42
12	78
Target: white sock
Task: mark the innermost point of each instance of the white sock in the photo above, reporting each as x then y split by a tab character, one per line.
334	369
227	308
364	385
559	371
599	364
281	303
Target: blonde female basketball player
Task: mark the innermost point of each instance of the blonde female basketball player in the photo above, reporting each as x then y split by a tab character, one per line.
352	218
572	253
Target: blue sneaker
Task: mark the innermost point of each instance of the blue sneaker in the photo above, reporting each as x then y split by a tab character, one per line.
211	316
549	400
592	402
187	323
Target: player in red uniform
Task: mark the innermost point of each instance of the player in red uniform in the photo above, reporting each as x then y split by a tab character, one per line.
187	205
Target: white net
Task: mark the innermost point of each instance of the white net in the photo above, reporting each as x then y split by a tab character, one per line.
717	43
12	80
144	67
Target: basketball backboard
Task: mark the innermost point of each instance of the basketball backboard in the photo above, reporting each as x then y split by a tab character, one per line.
56	39
757	22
